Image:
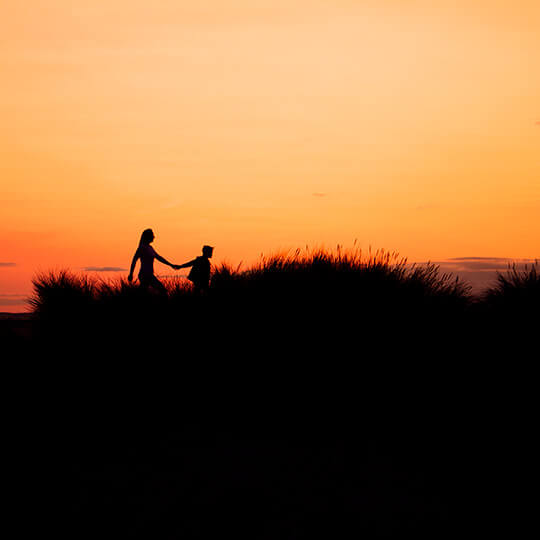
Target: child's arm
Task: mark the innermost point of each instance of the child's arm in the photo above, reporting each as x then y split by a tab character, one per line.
185	265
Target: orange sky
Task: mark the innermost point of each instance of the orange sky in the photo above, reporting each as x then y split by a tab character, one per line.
410	125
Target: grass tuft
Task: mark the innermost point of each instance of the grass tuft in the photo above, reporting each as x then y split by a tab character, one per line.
516	292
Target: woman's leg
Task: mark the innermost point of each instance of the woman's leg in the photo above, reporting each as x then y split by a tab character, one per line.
156	284
152	281
144	281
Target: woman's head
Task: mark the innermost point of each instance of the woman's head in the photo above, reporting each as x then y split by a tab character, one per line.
147	236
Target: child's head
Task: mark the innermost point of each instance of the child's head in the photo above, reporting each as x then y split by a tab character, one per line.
207	251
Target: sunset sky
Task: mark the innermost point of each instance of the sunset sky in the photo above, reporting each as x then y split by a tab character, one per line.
261	125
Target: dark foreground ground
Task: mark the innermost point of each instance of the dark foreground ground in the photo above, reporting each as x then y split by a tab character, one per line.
367	436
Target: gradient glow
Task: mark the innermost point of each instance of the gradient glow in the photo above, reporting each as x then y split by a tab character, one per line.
263	125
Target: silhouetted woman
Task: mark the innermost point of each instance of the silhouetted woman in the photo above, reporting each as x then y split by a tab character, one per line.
146	253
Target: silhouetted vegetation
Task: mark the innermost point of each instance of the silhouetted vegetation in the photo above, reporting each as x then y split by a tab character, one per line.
318	288
313	395
516	291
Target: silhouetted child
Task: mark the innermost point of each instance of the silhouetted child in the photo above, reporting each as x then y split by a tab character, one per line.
199	274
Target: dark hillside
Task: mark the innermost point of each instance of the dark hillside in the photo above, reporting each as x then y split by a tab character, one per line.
321	395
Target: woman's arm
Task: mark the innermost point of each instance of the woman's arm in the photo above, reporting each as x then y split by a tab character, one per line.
133	263
163	260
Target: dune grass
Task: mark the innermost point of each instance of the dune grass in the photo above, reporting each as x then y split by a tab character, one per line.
313	275
515	287
59	290
291	306
303	293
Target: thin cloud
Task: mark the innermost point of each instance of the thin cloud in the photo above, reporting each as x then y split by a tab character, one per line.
104	269
13	299
422	207
479	272
488	264
7	264
318	194
479	259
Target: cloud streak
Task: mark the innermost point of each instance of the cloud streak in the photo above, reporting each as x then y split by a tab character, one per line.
488	264
13	299
104	269
480	272
7	264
